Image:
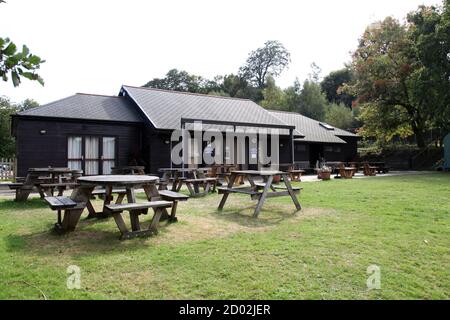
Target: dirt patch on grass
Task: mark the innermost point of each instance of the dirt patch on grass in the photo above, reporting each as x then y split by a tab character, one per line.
198	220
201	222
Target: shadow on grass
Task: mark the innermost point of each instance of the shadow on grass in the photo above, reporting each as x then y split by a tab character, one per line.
266	218
86	240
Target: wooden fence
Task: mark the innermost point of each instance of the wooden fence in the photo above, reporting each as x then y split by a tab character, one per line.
7	169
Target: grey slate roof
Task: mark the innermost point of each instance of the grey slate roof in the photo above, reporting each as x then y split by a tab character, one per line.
87	106
166	108
312	130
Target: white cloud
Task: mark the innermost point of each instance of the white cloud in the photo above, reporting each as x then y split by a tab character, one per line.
95	46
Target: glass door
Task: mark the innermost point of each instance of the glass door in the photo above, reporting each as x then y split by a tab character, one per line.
109	154
75	153
92	156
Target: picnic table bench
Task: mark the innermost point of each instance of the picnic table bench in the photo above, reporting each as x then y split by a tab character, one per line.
82	194
194	178
193	185
45	180
260	191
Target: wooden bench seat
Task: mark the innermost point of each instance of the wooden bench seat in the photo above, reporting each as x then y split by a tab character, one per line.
237	190
174	197
57	185
59	203
15	186
262	185
138	206
201	180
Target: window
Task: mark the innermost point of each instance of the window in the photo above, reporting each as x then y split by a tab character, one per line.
109	152
328	149
94	155
327	126
337	149
75	153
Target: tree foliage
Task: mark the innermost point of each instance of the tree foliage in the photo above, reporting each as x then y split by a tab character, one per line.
312	101
333	84
339	116
17	64
402	74
271	60
7	108
179	80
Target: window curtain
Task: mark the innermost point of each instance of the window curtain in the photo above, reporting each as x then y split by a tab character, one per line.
92	156
109	152
74	151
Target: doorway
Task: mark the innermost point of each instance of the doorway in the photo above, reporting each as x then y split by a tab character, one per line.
315	154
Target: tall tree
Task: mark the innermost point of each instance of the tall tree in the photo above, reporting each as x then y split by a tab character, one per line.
387	71
271	59
274	96
312	102
179	80
333	84
429	31
339	116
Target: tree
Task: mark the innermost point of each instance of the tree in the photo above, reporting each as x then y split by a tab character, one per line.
429	30
27	104
18	64
333	84
7	145
274	96
7	108
179	80
390	77
271	59
312	102
339	116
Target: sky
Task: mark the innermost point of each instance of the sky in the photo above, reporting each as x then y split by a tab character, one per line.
95	46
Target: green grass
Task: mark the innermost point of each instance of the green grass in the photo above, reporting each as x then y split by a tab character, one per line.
401	224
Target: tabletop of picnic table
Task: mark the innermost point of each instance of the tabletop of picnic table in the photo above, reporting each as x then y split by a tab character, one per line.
129	168
51	170
258	173
183	170
118	180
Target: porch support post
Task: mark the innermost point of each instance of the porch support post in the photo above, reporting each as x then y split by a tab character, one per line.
291	140
183	132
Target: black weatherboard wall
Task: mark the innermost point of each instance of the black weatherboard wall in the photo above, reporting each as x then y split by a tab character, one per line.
35	149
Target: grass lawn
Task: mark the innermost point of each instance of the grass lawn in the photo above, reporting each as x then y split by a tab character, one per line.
401	224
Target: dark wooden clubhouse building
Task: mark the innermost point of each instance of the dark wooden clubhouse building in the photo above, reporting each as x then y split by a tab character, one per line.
95	132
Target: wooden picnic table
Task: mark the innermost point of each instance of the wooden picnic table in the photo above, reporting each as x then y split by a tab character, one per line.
83	193
260	191
46	180
133	170
194	178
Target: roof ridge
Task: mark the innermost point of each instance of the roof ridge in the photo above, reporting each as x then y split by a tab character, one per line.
188	93
97	95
